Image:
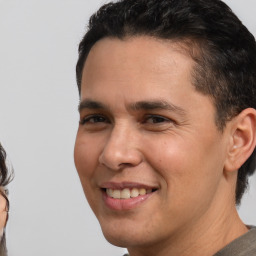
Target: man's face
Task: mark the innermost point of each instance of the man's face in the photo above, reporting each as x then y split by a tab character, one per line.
145	129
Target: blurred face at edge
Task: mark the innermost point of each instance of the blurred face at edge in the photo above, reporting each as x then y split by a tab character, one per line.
3	211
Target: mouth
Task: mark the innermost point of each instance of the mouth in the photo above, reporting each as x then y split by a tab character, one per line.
127	193
126	196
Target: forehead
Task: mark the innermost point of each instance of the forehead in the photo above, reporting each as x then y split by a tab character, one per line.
136	61
150	48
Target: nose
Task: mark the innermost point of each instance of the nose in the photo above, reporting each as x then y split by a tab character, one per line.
121	149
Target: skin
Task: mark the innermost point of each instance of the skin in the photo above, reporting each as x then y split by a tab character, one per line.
178	150
3	214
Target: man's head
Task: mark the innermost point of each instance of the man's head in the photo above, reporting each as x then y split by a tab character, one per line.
221	47
167	117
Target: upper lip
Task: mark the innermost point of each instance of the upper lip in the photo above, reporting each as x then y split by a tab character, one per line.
126	184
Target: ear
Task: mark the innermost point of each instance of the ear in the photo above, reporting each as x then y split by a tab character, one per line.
242	140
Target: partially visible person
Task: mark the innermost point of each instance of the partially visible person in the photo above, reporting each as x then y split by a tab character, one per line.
5	178
167	132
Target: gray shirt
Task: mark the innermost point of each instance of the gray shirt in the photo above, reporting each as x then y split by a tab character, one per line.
244	245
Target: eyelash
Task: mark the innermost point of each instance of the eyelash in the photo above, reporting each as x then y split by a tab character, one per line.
94	117
156	119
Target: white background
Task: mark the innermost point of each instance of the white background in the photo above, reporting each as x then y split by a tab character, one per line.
38	121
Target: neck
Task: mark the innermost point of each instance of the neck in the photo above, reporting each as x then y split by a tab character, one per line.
203	241
214	230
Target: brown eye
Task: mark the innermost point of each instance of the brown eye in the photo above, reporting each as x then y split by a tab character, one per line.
155	119
94	119
157	123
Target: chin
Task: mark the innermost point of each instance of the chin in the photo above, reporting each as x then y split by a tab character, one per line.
124	240
116	234
124	235
119	241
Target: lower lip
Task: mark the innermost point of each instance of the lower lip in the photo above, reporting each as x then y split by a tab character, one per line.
124	204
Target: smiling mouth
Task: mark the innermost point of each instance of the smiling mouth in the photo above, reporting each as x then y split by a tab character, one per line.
126	196
127	193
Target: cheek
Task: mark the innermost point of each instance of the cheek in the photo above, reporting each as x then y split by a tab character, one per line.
86	155
86	160
186	165
169	157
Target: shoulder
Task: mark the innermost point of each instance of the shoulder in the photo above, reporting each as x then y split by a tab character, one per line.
242	246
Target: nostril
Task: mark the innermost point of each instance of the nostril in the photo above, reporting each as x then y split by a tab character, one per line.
125	165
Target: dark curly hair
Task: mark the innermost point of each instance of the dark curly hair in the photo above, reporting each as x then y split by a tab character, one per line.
223	49
5	178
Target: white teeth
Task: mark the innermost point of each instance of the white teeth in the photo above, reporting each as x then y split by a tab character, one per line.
127	193
134	192
142	191
116	194
109	191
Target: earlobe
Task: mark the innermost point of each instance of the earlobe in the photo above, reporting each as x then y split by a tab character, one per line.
243	139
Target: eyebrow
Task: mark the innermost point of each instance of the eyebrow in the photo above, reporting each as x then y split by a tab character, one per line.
90	104
156	105
140	105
